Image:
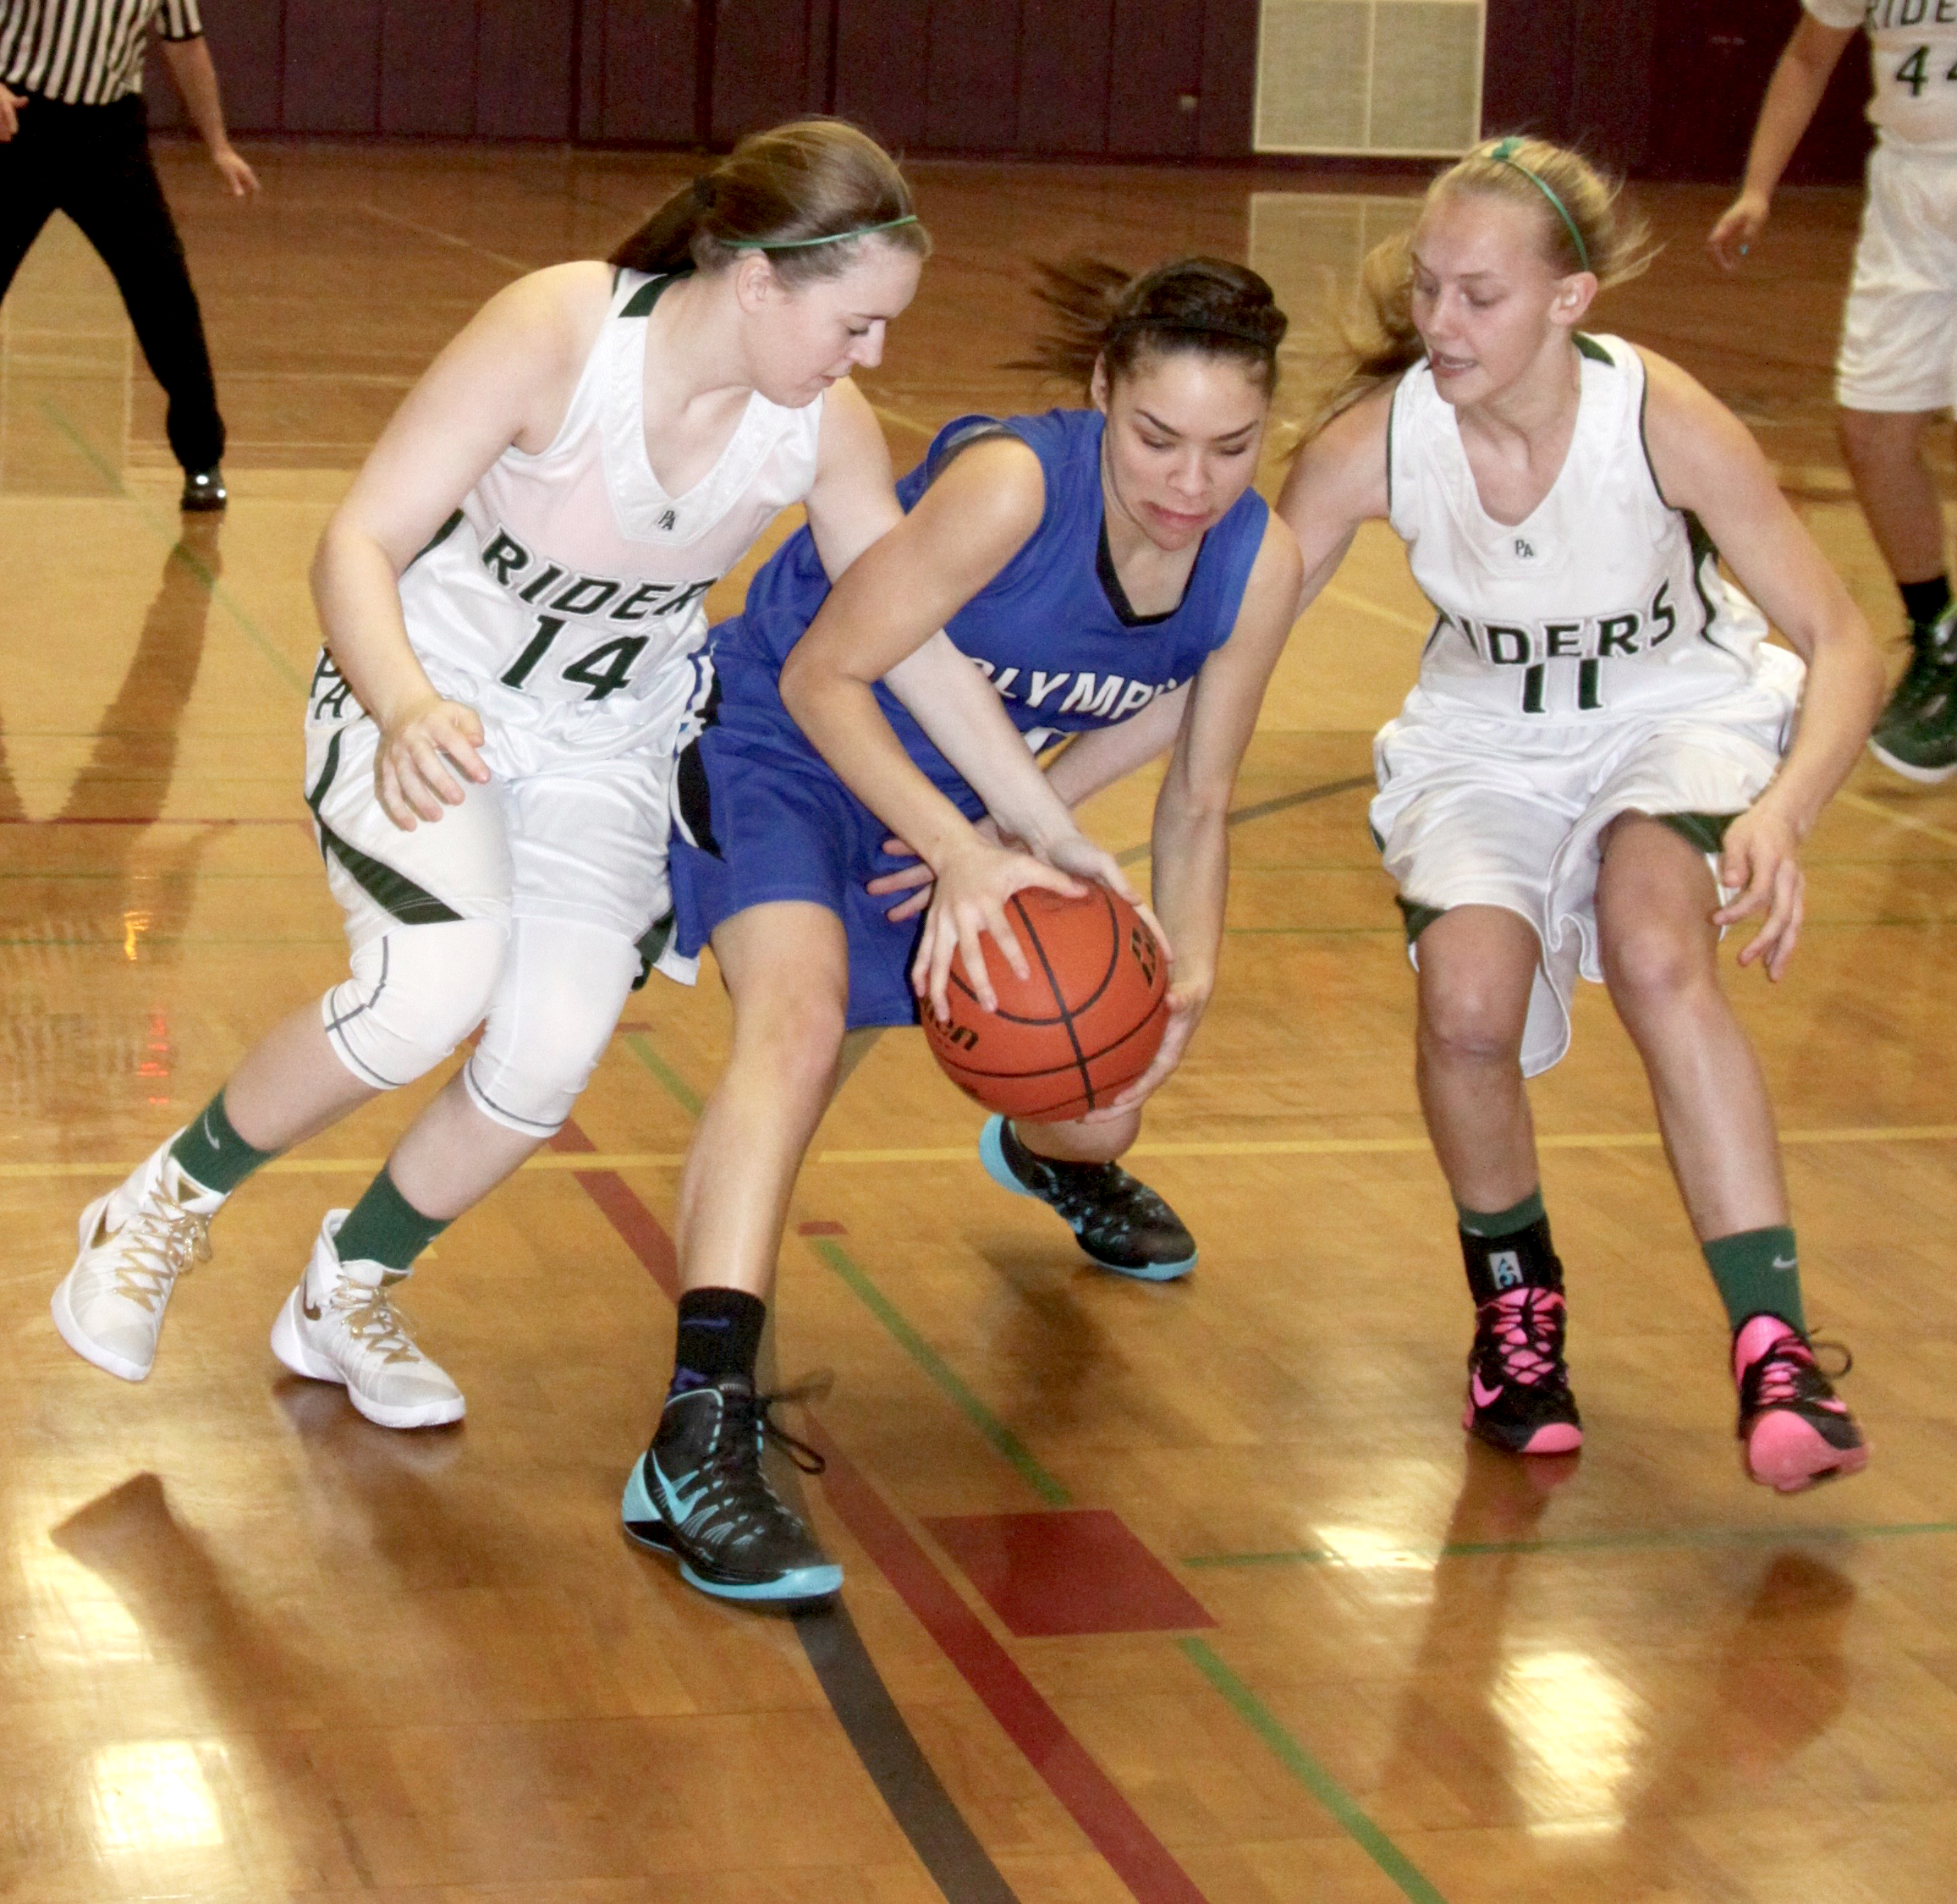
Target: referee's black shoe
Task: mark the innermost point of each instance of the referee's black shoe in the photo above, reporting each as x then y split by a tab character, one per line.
699	1493
204	491
1120	1222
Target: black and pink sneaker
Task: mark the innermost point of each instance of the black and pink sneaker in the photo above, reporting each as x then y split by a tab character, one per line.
1519	1396
1795	1430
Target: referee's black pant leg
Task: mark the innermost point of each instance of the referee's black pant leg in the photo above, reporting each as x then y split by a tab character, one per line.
30	180
118	202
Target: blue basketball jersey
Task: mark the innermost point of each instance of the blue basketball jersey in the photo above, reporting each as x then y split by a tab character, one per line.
1051	630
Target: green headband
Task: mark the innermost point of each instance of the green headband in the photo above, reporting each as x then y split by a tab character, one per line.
802	243
1503	153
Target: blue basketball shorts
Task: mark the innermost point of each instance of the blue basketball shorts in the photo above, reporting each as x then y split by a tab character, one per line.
768	821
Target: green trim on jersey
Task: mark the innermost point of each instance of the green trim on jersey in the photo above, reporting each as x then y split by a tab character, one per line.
1704	550
650	946
641	303
1417	915
1644	444
436	540
395	893
1587	346
1706	831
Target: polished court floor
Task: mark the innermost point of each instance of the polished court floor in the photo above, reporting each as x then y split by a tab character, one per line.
1168	1594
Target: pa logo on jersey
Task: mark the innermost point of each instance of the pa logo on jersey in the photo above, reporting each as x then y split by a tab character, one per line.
669	517
1525	550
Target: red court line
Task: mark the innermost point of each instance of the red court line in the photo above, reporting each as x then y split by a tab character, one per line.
1113	1826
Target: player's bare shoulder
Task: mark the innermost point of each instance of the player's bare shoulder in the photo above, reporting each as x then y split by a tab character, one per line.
1339	476
1695	443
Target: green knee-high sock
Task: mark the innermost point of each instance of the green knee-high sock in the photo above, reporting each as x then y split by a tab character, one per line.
1758	1272
385	1228
209	1150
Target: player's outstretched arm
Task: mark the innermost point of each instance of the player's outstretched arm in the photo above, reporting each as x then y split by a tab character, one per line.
507	378
1191	839
1337	481
1799	78
1706	460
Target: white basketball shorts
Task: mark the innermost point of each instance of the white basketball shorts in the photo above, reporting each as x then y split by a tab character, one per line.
555	834
1478	811
1899	340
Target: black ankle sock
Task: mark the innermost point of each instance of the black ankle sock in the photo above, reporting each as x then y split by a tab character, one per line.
719	1334
1522	1259
1924	601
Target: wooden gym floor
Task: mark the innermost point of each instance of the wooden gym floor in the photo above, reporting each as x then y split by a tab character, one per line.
1160	1592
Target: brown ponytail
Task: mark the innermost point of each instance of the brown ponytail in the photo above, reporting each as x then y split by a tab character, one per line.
1579	219
1099	314
784	192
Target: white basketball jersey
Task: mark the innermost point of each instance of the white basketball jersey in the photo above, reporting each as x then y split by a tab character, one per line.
568	593
1606	601
1913	59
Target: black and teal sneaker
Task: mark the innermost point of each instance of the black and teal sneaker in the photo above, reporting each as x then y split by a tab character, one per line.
1120	1222
1915	734
700	1494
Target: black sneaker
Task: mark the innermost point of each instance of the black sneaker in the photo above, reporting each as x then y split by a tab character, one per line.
1519	1397
1121	1222
204	491
699	1493
1915	734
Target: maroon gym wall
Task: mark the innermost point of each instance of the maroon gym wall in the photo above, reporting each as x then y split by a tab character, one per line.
1656	89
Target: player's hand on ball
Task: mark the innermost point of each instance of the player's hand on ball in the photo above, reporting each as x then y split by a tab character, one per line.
1738	229
1186	1001
917	879
969	900
420	751
1757	866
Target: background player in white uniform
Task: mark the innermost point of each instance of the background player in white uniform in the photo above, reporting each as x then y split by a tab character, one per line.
1897	368
493	723
1597	727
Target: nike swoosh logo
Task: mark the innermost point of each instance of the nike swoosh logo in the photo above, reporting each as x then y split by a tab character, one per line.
306	1309
1484	1398
678	1511
205	1124
1786	1262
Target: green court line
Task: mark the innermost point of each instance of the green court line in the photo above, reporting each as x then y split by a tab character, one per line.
995	1431
927	1358
1135	855
677	1087
1675	1539
201	570
1313	1776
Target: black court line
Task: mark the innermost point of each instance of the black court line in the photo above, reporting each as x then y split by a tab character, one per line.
948	1847
1262	810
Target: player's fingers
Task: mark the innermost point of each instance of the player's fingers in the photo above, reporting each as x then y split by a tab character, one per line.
458	738
386	786
1155	926
994	921
898	848
1028	872
438	773
910	908
904	880
971	955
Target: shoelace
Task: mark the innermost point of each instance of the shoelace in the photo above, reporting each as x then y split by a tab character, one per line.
1526	1327
374	1321
1790	1372
160	1243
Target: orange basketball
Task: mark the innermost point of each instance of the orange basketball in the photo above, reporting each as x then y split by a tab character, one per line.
1086	1024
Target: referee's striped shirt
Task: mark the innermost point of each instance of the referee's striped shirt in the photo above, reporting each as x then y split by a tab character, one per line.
85	52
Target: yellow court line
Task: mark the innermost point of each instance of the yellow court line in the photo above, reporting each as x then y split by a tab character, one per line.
1863	804
967	1153
1346	599
902	421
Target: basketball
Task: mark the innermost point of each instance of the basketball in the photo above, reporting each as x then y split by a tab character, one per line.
1084	1025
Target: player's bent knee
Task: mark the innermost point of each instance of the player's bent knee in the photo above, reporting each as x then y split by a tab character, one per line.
1468	1025
1651	963
414	995
549	1025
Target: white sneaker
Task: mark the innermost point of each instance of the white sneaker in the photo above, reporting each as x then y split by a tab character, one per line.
340	1326
135	1243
